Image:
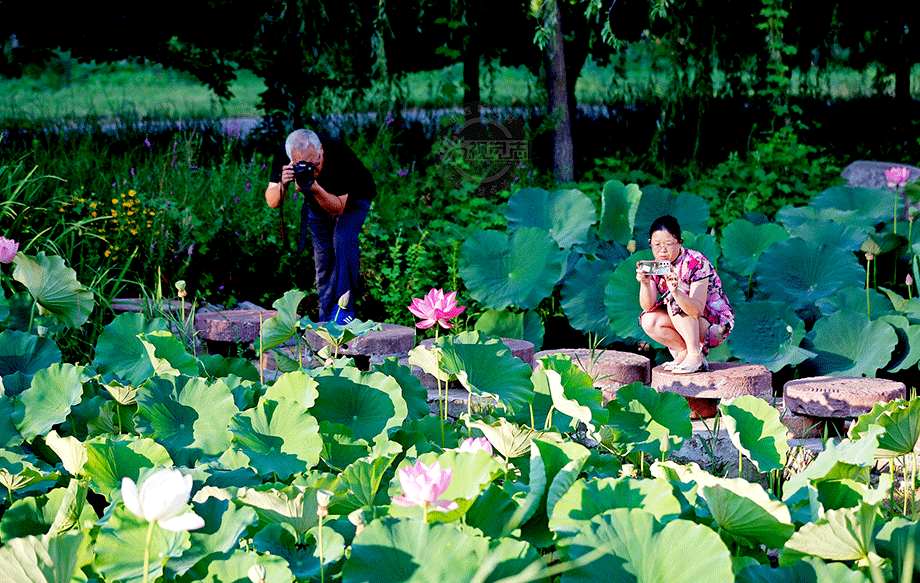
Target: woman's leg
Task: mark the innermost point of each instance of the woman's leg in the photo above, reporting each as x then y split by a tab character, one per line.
689	330
657	324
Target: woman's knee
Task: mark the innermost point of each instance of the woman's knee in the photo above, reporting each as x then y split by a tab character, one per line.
651	322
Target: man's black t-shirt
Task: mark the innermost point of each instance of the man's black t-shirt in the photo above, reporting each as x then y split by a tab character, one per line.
343	172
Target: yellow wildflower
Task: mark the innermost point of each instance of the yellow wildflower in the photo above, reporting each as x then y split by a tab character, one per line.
92	205
107	253
131	193
114	201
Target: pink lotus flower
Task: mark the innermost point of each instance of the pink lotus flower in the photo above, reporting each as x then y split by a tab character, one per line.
897	176
474	444
8	249
423	485
436	308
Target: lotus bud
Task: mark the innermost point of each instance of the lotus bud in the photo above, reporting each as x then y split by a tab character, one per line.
256	574
628	471
43	330
180	287
322	499
909	280
631	246
665	445
343	301
357	518
870	256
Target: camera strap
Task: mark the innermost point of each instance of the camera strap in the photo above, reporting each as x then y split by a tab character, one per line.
281	216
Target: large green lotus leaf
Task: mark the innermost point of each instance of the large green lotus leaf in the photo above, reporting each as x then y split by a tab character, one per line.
340	447
55	288
283	325
34	559
793	217
120	353
297	386
235	568
48	401
509	439
907	353
841	535
302	557
645	417
755	429
854	299
26	354
900	423
768	333
583	295
70	450
517	269
908	307
834	234
492	511
167	355
361	481
747	513
525	325
565	214
899	540
801	273
690	210
19	469
743	243
806	570
486	367
621	298
642	551
9	435
619	205
848	343
224	525
294	506
216	366
279	437
561	464
37	515
186	415
415	395
588	499
574	395
111	458
705	244
368	403
855	205
119	544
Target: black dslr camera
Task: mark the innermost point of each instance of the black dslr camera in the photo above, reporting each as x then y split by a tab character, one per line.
303	174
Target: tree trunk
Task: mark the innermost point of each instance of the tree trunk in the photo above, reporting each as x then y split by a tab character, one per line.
557	90
471	57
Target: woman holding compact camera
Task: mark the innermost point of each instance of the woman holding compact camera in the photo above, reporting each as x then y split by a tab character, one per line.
685	309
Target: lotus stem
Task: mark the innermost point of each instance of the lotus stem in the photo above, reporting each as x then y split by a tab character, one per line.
532	422
868	309
261	353
740	463
906	487
319	541
896	195
913	489
147	552
891	472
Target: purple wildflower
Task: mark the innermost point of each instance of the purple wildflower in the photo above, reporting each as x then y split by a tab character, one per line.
236	199
132	171
147	143
402	172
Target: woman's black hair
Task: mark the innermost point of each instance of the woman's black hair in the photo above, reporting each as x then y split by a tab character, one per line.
666	223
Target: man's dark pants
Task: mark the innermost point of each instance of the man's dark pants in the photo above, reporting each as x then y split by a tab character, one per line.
337	254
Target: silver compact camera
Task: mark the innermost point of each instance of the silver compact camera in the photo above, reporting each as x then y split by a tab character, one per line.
655	267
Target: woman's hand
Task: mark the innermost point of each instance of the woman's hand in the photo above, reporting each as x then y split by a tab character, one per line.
672	280
641	276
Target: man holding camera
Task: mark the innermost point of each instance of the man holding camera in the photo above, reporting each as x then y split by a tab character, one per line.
338	190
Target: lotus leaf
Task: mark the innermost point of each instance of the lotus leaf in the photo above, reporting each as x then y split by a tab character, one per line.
900	421
619	205
841	535
43	559
415	395
279	437
19	469
70	450
509	439
37	515
853	205
55	288
283	325
361	481
800	273
216	366
562	464
297	386
583	295
640	550
492	511
690	210
26	354
834	234
294	506
841	493
118	541
908	307
120	353
338	335
525	325
768	333
186	415
747	513
743	243
565	214
302	557
368	403
236	567
755	429
486	367
167	354
110	458
807	570
643	417
48	401
517	269
573	394
899	540
848	343
907	353
340	447
9	435
621	298
854	299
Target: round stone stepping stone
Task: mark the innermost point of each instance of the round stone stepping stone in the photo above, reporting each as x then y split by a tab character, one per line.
390	340
725	380
611	369
839	396
231	325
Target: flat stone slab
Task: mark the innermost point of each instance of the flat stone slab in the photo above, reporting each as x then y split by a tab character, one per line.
725	380
839	396
231	325
390	340
611	369
871	173
123	305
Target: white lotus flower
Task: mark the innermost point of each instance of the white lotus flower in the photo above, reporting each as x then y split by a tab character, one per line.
162	497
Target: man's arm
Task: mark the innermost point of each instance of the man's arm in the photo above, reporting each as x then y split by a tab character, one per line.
273	194
332	204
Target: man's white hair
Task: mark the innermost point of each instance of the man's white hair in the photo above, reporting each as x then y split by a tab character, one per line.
301	140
